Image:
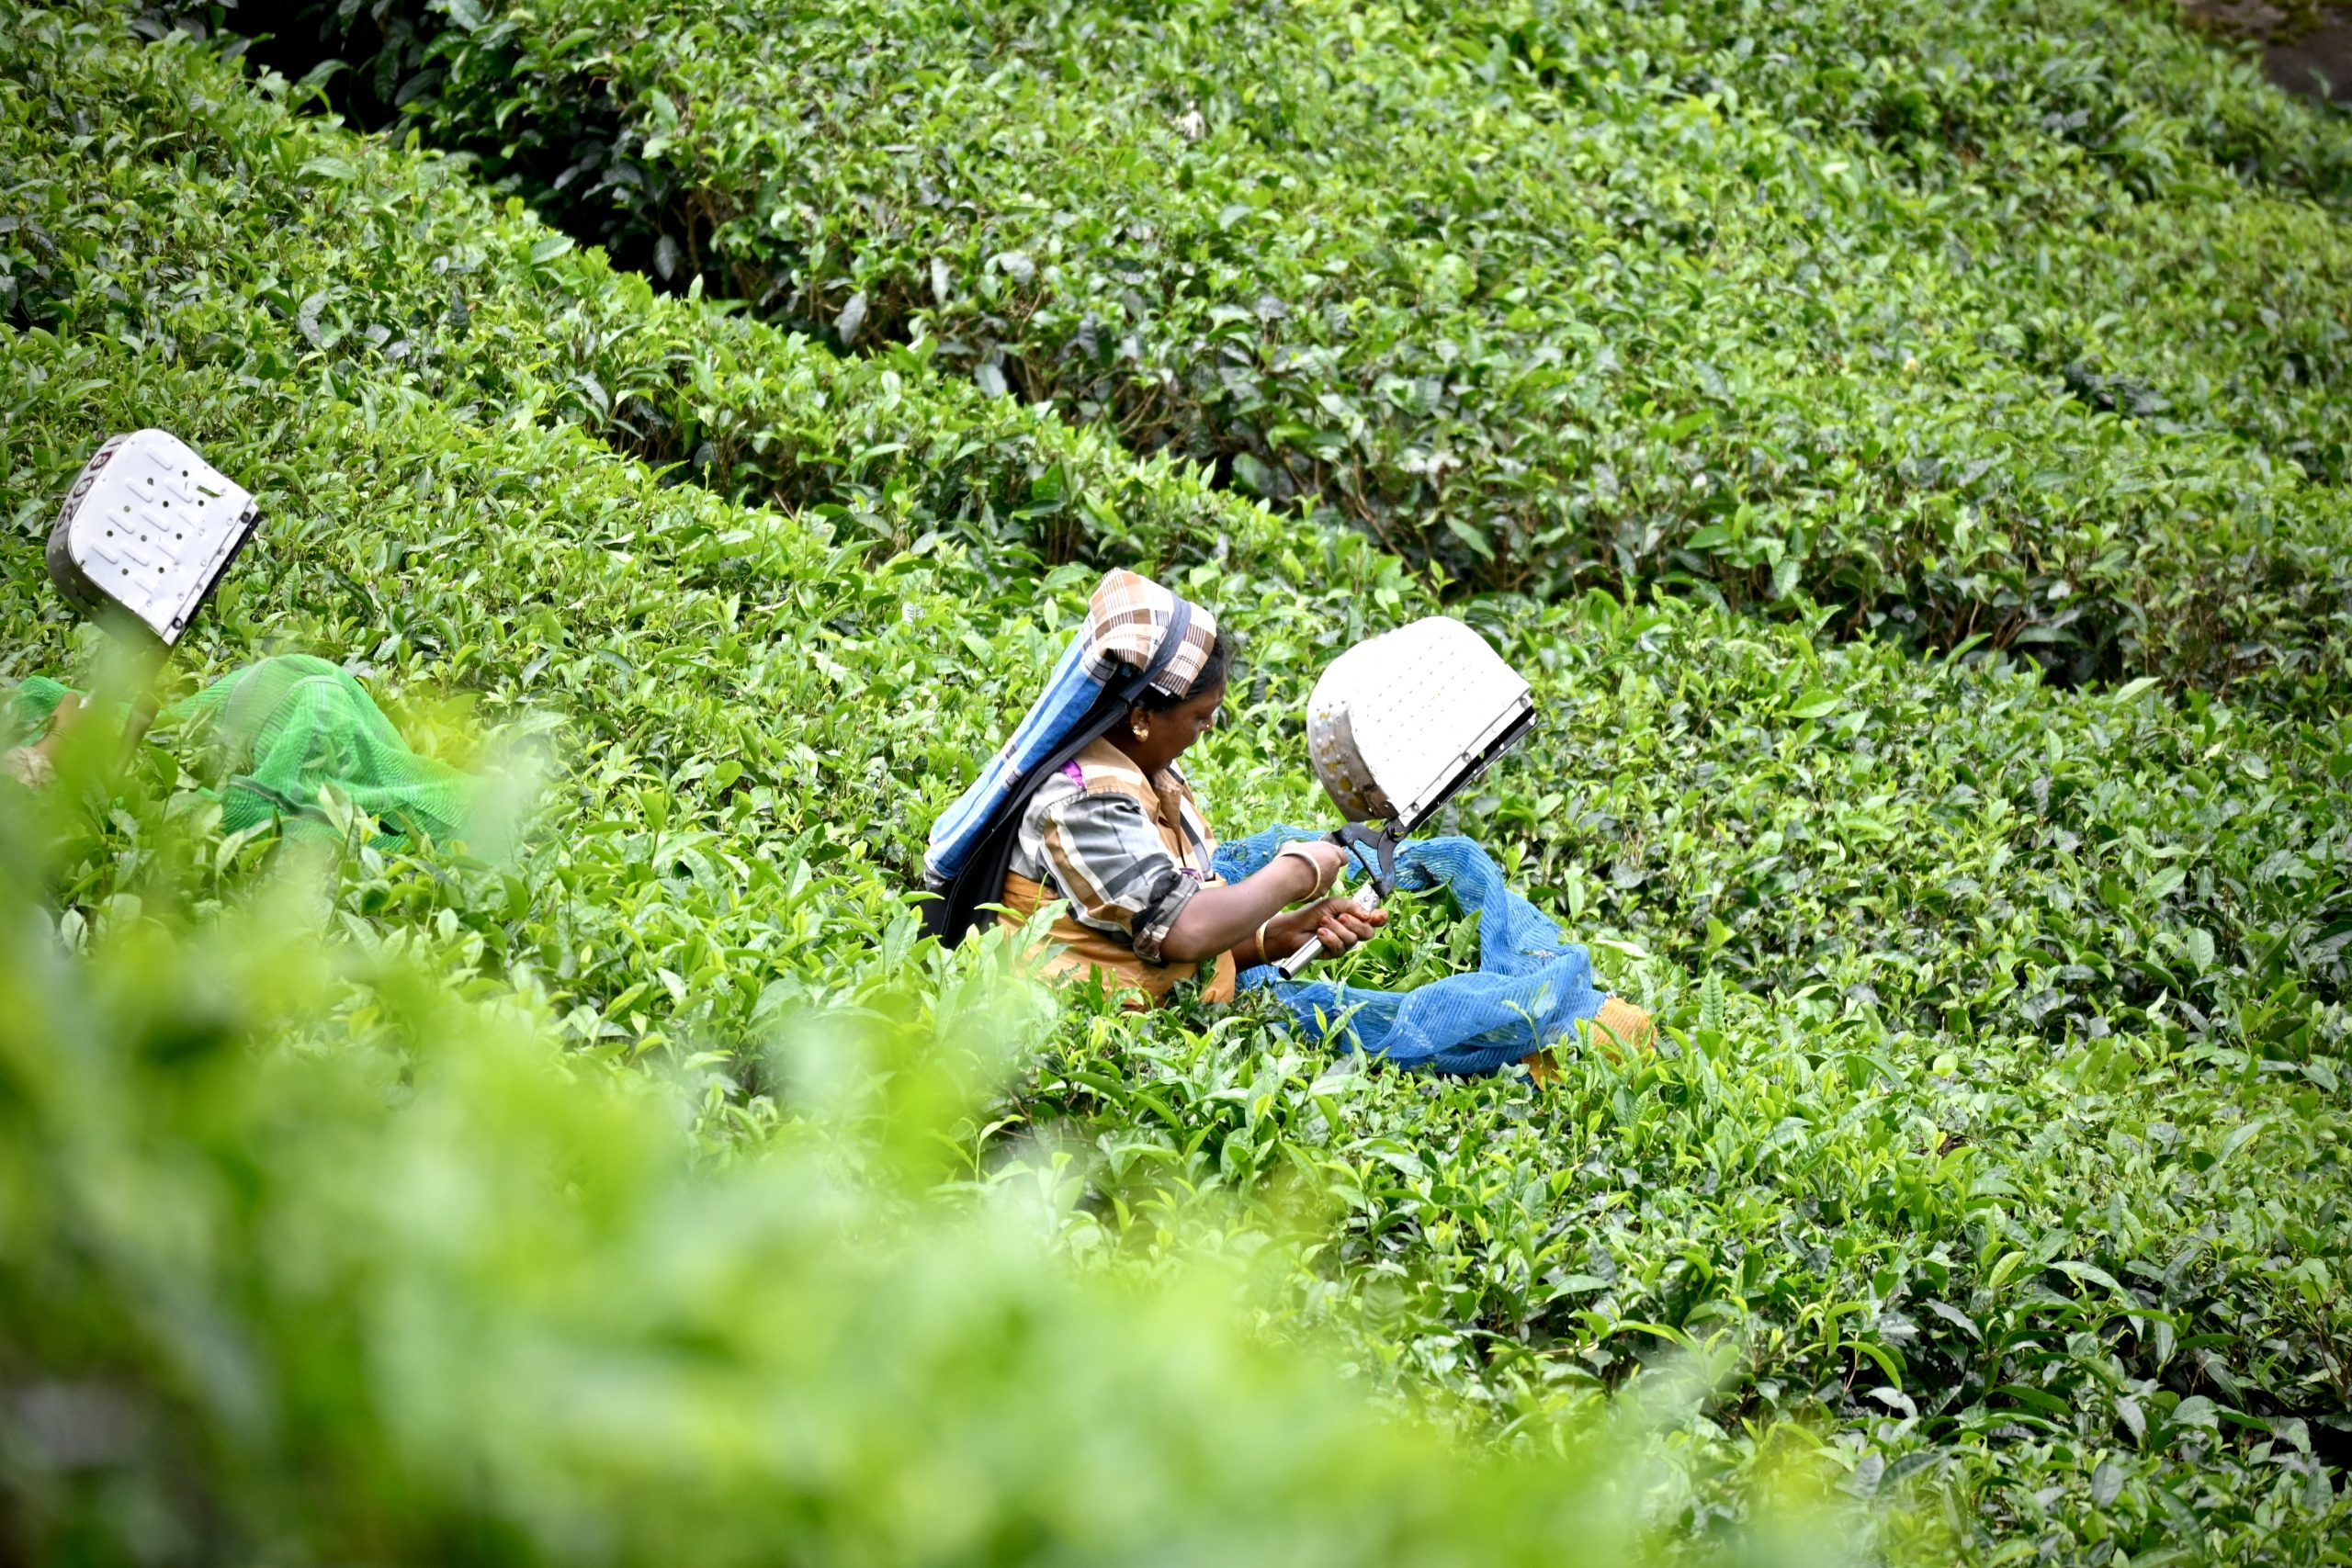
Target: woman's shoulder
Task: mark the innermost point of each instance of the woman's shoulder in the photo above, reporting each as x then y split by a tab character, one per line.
1103	775
1058	789
1103	765
1082	788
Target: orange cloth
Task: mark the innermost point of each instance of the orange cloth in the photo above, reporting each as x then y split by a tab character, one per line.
1105	769
1618	1023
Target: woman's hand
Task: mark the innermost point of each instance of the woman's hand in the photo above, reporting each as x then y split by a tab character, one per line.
1222	919
1338	923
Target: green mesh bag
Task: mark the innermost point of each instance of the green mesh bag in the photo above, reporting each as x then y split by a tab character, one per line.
283	729
30	702
287	726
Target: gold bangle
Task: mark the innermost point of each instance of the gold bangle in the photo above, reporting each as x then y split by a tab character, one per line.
1263	956
1296	849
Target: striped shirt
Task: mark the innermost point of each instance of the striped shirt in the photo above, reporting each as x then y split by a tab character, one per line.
1102	851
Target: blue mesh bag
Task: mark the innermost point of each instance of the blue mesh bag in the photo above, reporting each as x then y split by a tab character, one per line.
1533	986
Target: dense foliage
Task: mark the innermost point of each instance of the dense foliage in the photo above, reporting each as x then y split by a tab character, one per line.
2018	320
1995	1165
431	1290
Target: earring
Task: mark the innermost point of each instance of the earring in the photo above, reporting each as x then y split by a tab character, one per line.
1143	730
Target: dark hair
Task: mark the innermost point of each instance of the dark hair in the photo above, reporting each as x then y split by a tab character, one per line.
1212	676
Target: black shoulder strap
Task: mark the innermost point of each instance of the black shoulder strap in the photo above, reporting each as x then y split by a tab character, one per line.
1200	850
956	911
1180	622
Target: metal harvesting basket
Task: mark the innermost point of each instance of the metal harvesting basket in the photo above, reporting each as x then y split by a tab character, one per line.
1398	725
147	530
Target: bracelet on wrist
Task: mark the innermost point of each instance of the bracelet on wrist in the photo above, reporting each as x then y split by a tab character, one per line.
1299	851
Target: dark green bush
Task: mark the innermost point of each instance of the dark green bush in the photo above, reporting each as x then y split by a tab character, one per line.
1912	309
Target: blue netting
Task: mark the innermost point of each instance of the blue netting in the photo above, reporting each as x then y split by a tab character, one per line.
1531	986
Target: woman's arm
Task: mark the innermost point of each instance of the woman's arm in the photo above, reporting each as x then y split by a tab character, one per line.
1110	862
1223	919
35	766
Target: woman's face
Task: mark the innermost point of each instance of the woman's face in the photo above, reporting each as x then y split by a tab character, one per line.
1172	731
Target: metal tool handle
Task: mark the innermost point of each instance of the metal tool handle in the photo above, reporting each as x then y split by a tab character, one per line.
143	719
1367	897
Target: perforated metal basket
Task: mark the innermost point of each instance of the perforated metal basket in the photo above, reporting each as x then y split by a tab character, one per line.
146	531
1399	722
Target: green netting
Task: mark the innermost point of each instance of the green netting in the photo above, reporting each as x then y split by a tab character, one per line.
30	702
283	728
289	724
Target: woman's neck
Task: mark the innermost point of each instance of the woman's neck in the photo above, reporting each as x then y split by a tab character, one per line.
1126	747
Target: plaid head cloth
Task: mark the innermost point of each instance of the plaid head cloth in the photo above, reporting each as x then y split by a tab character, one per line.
1125	620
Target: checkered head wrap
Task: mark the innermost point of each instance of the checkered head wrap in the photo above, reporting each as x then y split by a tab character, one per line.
1125	623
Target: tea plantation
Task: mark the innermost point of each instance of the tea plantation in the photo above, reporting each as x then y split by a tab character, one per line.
2018	320
1904	446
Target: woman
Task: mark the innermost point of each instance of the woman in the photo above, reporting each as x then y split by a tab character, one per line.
1085	806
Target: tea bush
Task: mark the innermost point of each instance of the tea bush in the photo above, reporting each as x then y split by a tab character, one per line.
1994	1163
469	302
308	1258
1946	316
